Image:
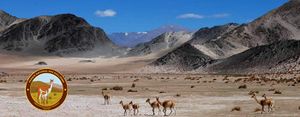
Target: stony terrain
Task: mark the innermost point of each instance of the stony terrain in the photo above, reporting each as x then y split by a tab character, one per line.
195	95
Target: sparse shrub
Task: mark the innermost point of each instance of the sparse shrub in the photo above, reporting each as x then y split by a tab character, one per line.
243	86
20	80
253	92
236	108
83	78
87	61
177	95
271	89
133	85
69	79
162	92
41	63
104	88
225	78
187	78
238	80
3	81
92	80
299	108
131	90
277	92
192	86
293	85
136	80
117	88
54	94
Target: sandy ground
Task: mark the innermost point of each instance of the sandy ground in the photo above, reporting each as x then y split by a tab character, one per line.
24	63
210	98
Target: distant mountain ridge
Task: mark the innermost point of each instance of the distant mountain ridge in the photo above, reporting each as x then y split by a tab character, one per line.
131	39
164	42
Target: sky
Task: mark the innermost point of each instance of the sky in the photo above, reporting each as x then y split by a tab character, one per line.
45	77
144	15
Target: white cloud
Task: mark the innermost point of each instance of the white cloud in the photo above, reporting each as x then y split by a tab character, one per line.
190	16
222	15
105	13
197	16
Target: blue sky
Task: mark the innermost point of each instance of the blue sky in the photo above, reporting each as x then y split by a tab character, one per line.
143	15
45	77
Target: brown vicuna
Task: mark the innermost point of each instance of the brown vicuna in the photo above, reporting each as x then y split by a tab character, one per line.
154	105
135	108
126	107
262	103
270	101
167	104
106	97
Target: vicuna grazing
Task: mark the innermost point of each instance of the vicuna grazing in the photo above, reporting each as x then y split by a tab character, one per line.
154	105
126	107
270	101
135	108
262	102
167	104
106	97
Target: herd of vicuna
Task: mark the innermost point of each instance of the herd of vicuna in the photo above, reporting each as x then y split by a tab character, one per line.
170	104
157	104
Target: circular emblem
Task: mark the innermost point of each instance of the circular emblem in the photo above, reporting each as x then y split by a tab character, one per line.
46	89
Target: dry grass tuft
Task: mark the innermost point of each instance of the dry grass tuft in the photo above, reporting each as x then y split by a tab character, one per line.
236	108
253	92
133	85
131	90
117	88
243	86
177	95
277	92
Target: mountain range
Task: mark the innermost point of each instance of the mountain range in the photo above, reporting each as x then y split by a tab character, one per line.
131	39
228	45
270	43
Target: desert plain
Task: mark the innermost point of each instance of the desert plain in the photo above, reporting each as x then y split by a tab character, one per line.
194	94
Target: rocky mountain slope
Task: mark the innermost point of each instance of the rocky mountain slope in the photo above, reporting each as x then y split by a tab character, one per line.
264	58
64	34
222	42
165	42
6	20
279	24
206	35
131	39
185	58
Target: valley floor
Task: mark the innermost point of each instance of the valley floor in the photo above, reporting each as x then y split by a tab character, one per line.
195	95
